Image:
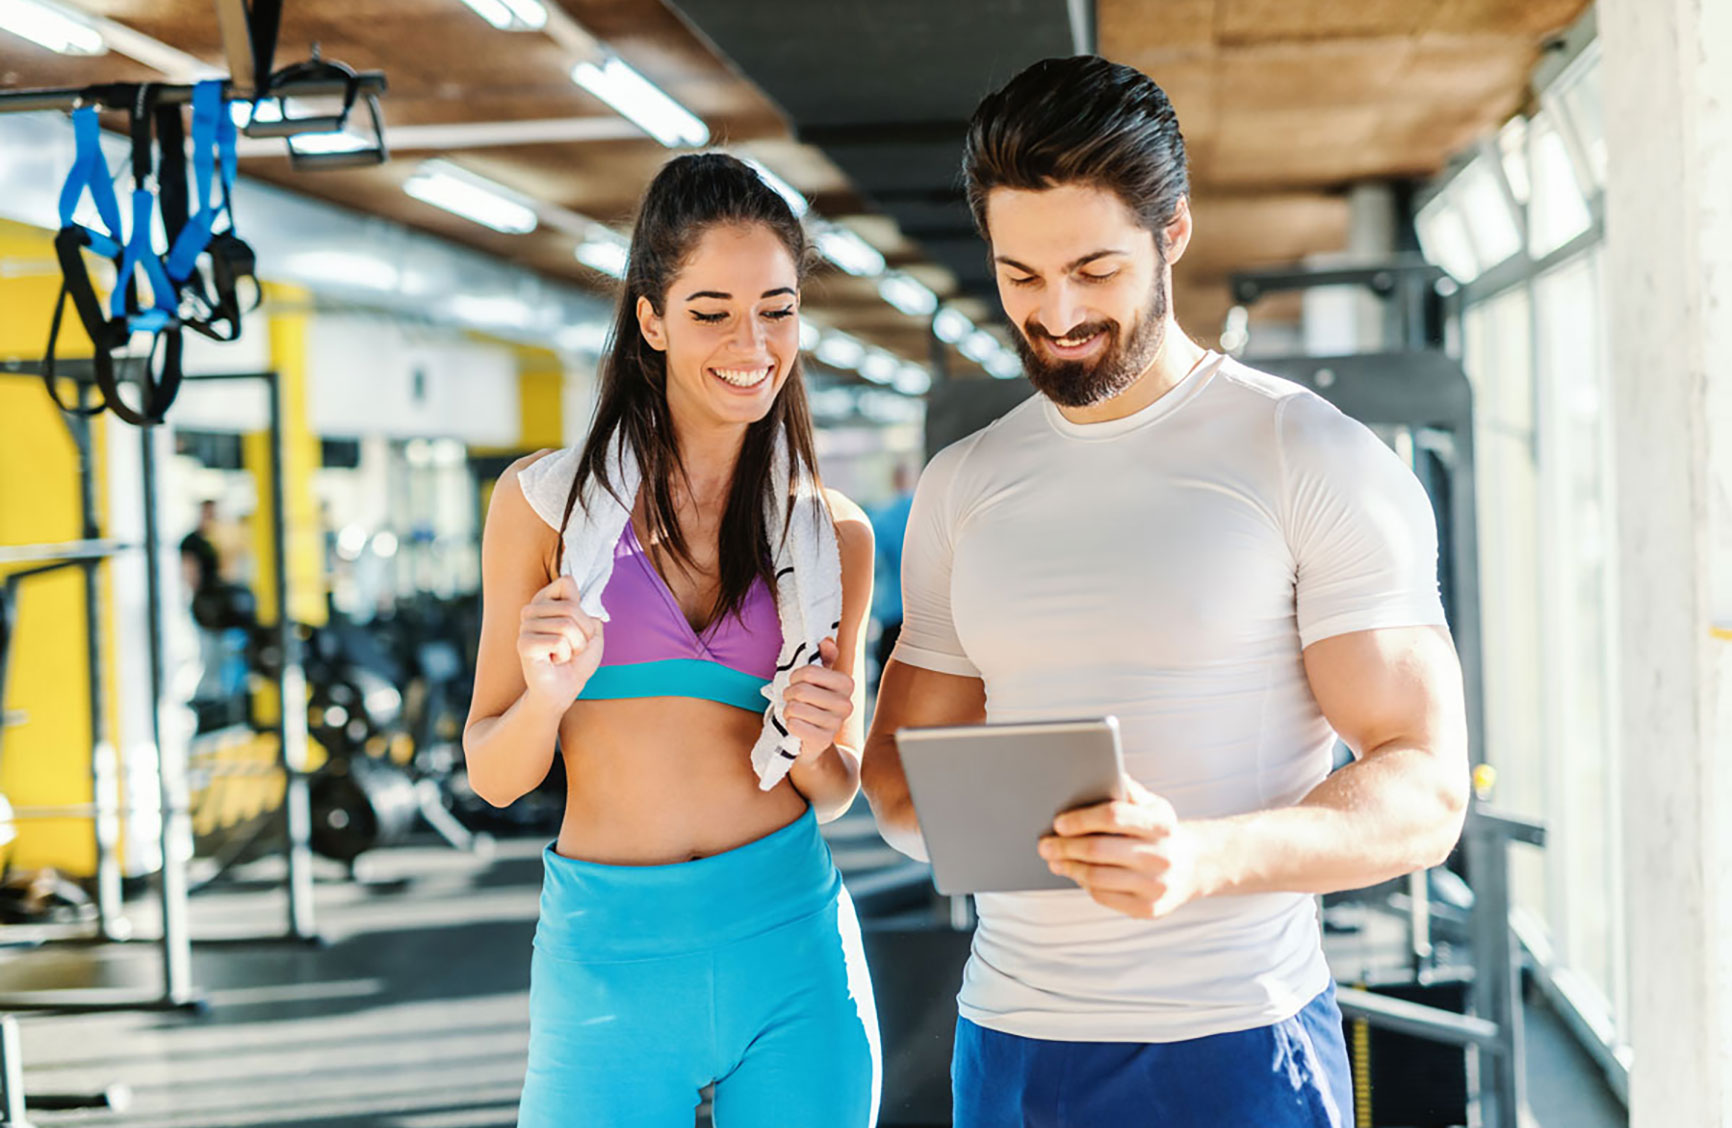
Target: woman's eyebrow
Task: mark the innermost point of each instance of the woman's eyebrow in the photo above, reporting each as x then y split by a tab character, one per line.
719	296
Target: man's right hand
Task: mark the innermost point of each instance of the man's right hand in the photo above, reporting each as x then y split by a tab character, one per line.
558	645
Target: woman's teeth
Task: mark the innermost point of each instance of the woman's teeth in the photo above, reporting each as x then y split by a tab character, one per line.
742	377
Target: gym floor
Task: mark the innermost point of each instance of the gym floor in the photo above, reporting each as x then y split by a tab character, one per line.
412	1015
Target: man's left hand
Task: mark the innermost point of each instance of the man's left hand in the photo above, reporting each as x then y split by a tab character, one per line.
1132	855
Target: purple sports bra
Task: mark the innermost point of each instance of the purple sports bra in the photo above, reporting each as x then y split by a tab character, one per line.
652	651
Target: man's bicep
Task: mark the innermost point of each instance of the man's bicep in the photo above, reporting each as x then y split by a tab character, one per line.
1396	684
914	697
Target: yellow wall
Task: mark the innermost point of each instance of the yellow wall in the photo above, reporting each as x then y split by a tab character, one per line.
46	761
541	398
287	310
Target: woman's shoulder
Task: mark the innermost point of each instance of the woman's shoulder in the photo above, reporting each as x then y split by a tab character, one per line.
853	527
544	480
842	507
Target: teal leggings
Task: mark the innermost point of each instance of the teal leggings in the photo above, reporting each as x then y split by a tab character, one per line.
743	969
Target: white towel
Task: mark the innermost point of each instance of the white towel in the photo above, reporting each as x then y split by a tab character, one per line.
807	565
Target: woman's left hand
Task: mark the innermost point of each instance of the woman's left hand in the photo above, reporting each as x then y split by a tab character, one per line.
818	702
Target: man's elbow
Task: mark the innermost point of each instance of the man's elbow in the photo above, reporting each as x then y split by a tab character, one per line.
1453	793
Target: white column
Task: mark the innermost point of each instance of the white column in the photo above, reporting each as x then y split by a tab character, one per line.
1668	105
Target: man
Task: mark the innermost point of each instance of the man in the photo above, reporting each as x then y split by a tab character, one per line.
1235	570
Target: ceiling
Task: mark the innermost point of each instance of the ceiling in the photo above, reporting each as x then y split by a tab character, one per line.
1284	104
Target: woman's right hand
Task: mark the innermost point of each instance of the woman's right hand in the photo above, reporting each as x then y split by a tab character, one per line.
558	645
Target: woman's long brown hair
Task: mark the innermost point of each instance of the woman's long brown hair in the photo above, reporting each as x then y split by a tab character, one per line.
690	195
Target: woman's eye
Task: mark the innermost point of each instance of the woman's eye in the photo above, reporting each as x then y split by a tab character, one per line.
779	314
1023	281
709	318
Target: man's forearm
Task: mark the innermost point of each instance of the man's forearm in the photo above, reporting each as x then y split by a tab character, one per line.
1397	810
887	790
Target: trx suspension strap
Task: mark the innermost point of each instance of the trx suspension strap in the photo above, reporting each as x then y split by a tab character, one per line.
126	316
89	173
216	301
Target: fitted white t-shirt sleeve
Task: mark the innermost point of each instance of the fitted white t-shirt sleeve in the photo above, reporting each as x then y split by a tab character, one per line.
1361	529
928	639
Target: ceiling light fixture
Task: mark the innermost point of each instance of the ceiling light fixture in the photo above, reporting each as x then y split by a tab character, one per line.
511	15
879	366
605	251
979	346
640	100
850	252
839	350
907	295
475	198
951	326
912	380
50	26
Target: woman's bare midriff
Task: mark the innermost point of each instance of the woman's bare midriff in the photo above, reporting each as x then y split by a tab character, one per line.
659	780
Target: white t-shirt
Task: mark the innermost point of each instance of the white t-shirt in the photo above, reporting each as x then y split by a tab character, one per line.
1167	569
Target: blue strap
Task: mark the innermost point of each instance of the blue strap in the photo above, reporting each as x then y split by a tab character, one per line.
208	134
139	253
90	171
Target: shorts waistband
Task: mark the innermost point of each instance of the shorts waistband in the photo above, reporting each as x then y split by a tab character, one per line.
597	912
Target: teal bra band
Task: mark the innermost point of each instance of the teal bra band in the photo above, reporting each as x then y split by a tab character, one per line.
677	677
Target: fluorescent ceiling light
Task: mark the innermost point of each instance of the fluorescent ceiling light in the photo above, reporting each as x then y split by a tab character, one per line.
907	295
839	350
1005	365
951	326
781	187
637	98
979	346
810	335
511	15
473	197
50	26
879	366
338	142
850	252
912	380
605	251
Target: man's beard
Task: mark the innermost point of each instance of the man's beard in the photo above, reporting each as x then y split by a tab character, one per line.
1084	383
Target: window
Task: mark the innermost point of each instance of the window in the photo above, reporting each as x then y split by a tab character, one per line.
1580	624
1557	212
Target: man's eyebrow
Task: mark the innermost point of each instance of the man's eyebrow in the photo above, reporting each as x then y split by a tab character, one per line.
1078	264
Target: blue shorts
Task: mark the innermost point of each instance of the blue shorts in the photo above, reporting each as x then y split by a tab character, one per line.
743	969
1293	1074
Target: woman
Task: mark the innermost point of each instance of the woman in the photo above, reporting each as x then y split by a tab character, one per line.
645	599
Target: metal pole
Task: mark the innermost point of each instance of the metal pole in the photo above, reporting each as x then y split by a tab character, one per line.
11	1075
1497	977
176	836
291	697
104	768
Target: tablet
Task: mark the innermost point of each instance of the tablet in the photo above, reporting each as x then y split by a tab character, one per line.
986	794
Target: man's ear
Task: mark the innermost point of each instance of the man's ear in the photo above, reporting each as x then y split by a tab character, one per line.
650	323
1176	235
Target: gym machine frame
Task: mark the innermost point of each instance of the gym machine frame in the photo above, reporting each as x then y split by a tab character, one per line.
290	727
1421	388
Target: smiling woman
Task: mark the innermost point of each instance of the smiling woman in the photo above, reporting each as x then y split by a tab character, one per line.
689	867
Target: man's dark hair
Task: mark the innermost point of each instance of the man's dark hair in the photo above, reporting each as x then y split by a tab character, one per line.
1079	120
